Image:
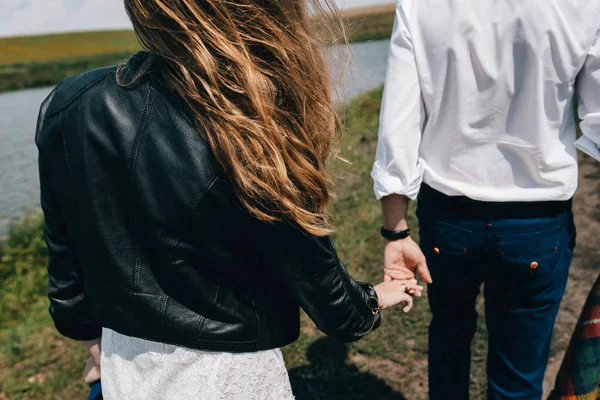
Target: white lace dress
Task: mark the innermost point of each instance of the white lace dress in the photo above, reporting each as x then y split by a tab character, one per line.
134	368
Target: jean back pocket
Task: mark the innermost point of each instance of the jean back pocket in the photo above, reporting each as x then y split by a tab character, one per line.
446	239
533	256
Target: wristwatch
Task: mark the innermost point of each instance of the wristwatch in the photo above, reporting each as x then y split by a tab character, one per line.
394	235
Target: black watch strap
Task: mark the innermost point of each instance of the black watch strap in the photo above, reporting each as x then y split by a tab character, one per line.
394	235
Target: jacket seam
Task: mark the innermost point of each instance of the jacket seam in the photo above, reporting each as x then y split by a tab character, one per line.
187	119
140	134
257	316
201	320
163	311
201	192
64	142
198	197
71	99
70	170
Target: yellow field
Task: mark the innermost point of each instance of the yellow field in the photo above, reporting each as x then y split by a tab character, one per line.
28	49
364	22
36	61
368	11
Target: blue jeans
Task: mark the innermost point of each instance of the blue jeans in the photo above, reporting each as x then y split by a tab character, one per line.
524	265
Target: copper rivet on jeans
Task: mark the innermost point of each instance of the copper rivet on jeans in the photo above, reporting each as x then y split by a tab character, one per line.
436	250
534	265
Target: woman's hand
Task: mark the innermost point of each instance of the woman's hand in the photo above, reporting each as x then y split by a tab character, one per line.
394	292
92	372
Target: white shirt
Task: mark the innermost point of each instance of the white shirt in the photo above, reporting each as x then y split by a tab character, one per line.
479	98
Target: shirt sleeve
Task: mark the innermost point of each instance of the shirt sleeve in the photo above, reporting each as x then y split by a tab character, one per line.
397	169
588	91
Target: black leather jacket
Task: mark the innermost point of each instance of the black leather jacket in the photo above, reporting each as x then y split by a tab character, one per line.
146	237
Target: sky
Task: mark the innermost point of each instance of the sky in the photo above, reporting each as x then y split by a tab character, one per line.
28	17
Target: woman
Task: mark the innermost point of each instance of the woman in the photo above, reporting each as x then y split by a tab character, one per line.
185	195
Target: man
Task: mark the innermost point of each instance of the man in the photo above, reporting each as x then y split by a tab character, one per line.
477	116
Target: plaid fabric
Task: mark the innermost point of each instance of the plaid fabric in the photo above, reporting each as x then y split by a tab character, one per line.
579	374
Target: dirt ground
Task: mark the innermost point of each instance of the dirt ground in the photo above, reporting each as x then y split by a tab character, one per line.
584	268
584	271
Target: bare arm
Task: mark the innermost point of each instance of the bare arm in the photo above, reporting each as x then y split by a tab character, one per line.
401	257
397	172
395	209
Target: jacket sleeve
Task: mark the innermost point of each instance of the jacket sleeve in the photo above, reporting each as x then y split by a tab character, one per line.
69	306
311	270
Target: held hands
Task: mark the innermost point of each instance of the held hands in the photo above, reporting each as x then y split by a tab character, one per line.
395	292
402	258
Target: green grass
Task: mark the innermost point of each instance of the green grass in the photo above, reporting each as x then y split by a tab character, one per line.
35	362
37	61
40	74
402	339
376	26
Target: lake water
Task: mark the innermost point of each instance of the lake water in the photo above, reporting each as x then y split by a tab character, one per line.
18	116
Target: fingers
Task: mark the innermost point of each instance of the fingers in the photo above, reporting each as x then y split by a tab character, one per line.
91	373
94	349
398	274
424	272
412	288
406	298
391	293
402	259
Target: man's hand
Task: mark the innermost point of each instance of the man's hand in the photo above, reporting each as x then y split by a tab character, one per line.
402	258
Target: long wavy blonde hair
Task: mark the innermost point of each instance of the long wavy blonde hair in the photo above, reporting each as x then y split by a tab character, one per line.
254	76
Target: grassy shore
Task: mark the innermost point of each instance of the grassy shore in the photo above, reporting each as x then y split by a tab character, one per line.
36	61
370	23
36	362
